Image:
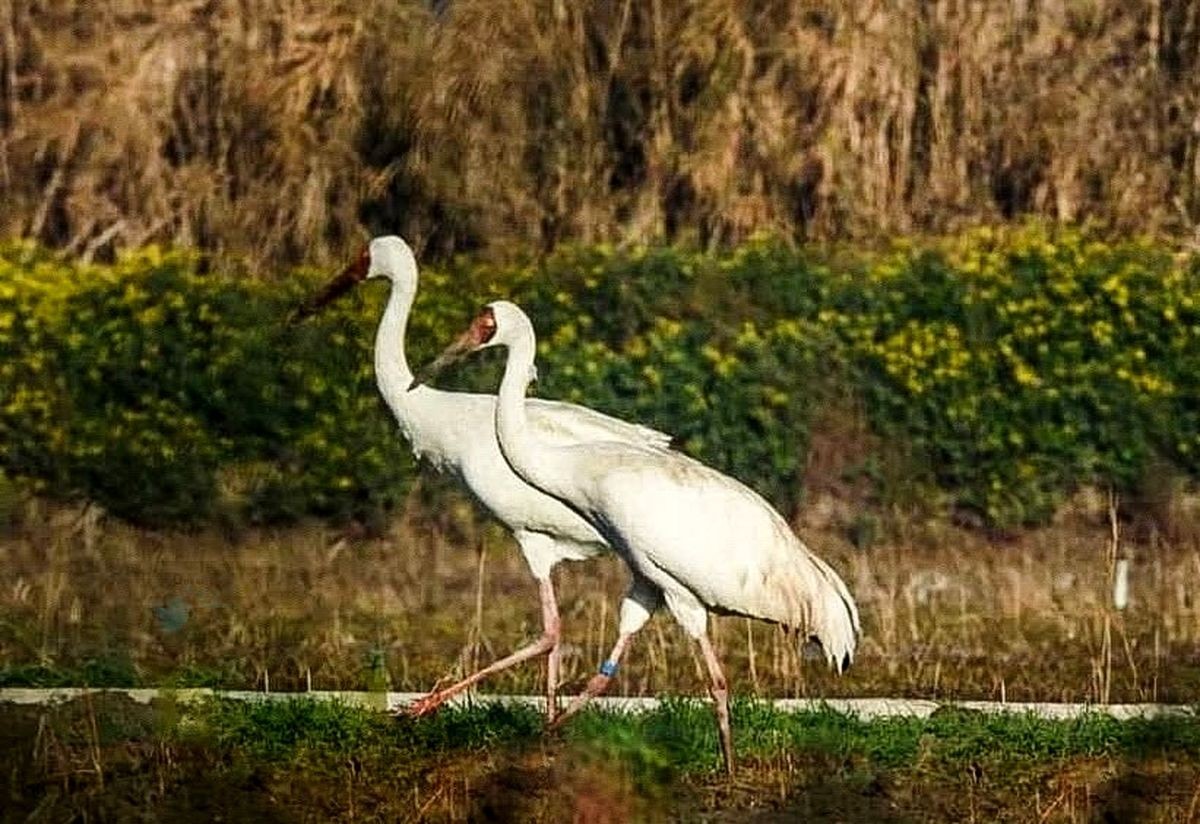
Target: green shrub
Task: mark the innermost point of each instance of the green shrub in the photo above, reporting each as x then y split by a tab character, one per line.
1026	361
1015	363
666	337
135	385
609	296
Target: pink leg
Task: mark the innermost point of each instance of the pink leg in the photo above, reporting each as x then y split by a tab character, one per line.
553	658
546	645
719	690
598	683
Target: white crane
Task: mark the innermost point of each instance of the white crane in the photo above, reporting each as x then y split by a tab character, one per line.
455	431
693	538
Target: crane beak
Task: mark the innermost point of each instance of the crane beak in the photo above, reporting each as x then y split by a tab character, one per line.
334	289
465	345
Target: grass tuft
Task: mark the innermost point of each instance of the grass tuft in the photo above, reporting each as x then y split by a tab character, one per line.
286	729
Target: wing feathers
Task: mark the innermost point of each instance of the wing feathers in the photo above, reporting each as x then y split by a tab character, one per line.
563	423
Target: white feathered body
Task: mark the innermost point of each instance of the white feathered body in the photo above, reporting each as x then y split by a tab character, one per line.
683	524
705	540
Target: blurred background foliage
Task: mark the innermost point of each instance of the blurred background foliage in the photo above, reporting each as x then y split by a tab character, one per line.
1009	366
286	130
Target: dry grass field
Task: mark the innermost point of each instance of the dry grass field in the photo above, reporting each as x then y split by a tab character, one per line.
947	612
280	129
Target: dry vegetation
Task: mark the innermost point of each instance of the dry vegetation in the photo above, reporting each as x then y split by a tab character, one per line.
946	612
284	128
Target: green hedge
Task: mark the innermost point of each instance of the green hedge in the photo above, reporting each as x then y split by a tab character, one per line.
1024	362
1015	363
171	397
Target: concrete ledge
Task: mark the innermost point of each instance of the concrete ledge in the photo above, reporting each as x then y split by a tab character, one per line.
860	707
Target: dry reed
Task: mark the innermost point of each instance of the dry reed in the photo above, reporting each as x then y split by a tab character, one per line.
947	613
283	129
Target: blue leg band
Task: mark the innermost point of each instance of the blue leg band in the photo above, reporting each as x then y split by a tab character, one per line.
608	669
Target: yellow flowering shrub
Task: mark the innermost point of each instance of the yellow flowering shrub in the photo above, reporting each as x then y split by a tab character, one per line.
739	399
1024	360
1016	362
149	388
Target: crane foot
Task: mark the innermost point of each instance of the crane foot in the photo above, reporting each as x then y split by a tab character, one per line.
426	705
594	687
422	706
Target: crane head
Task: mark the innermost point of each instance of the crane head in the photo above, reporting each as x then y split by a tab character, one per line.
338	286
479	334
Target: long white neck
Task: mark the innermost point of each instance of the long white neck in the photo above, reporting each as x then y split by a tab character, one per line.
391	363
517	442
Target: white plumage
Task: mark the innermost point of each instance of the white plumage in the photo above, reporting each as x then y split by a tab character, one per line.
694	538
455	432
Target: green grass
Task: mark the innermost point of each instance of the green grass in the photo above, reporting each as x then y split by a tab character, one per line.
301	759
288	729
680	739
679	733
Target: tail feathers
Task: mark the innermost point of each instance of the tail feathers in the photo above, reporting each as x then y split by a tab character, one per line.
794	588
833	617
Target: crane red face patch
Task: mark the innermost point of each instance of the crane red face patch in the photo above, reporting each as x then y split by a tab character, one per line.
483	328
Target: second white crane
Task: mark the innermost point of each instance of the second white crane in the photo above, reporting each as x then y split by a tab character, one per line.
693	538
